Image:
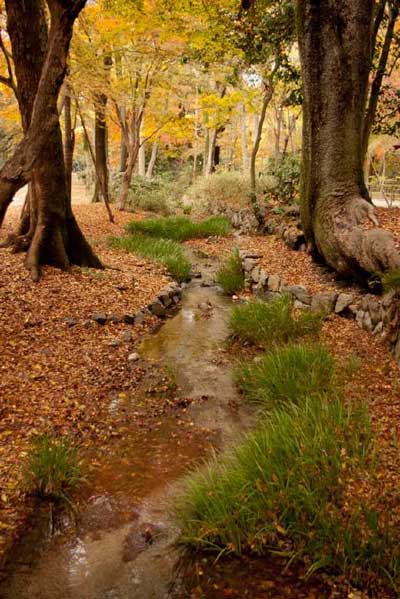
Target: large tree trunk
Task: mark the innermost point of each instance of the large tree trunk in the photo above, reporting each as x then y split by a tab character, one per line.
50	231
335	49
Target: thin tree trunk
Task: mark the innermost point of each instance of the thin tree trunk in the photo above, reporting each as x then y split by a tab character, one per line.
335	50
243	132
256	146
99	179
206	149
127	177
142	153
290	128
212	142
377	81
210	168
69	143
100	148
278	129
196	135
134	145
123	160
152	161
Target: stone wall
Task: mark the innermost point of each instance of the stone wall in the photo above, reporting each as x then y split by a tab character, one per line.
242	219
378	314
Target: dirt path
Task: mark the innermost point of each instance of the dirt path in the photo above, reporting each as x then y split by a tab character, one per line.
80	193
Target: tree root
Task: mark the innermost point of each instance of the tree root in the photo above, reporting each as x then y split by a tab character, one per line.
351	249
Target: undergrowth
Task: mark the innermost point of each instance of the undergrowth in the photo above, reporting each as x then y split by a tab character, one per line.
391	280
53	469
266	323
285	490
287	375
165	251
181	228
231	276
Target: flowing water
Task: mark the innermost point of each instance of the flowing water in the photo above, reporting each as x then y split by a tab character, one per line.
121	544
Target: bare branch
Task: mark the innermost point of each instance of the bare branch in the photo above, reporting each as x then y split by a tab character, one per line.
9	81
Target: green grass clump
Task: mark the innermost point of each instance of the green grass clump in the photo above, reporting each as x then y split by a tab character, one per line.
391	280
53	468
287	375
165	251
231	276
284	489
266	323
181	228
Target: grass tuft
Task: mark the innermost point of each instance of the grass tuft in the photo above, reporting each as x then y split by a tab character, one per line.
231	276
266	323
181	228
284	489
287	375
165	251
391	280
53	468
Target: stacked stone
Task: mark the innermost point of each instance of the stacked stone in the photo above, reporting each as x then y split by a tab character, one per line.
379	315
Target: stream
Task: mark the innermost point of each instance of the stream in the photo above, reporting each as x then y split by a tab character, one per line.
121	545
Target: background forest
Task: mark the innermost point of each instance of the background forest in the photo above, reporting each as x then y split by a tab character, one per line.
161	95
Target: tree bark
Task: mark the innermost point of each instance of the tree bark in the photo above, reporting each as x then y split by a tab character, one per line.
100	182
206	149
335	51
133	151
210	168
142	153
40	61
69	143
243	133
152	161
256	146
100	147
380	72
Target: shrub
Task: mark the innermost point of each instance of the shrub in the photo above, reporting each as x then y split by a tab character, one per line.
166	252
53	469
225	187
231	276
283	175
287	375
156	195
284	489
266	323
181	228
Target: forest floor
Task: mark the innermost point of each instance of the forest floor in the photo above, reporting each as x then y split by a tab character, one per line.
60	369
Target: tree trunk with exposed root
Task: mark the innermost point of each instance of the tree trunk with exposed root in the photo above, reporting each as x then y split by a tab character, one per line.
48	230
335	48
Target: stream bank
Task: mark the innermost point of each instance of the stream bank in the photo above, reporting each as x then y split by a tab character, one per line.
122	542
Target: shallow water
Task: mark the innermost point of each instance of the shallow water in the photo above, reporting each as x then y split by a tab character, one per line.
122	542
